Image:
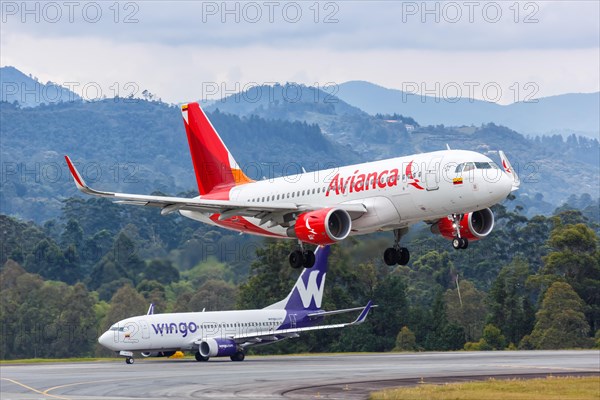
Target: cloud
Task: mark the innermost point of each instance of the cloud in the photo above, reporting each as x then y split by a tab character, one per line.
339	25
176	49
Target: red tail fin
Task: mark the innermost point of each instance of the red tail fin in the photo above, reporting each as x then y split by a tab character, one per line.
214	165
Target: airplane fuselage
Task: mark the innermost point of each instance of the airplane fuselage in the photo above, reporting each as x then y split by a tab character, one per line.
397	192
180	331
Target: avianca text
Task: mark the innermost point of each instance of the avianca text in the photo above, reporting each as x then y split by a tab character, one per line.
359	182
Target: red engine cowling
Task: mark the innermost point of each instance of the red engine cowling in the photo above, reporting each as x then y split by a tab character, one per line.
473	226
322	227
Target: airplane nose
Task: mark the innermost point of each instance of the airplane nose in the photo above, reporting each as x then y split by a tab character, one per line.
107	340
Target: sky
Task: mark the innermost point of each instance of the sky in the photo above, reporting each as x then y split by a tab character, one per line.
502	51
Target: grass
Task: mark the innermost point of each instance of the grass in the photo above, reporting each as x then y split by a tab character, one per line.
550	388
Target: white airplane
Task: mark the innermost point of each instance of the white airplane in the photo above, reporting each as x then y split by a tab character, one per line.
229	333
451	190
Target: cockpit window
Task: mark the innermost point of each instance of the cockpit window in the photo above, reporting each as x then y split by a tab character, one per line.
469	167
118	328
459	168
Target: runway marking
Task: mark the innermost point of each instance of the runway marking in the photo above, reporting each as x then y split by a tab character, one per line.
46	392
33	389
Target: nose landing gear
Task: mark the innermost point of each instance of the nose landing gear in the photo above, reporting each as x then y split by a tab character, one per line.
458	242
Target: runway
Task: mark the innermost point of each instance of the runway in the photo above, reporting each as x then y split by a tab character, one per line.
350	376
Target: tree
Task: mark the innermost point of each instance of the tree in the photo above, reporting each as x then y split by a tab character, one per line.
392	315
493	337
48	260
470	313
405	341
509	301
121	262
560	323
576	260
270	276
214	295
162	271
441	334
126	302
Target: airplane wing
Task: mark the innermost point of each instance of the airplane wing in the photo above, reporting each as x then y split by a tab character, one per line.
269	336
327	313
227	208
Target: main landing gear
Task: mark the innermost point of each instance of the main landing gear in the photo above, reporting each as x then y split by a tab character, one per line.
302	258
238	356
200	357
129	360
397	255
458	242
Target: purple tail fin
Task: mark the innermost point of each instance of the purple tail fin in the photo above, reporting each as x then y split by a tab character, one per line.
308	290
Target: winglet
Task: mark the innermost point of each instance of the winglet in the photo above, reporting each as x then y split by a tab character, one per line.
76	175
363	315
150	309
509	170
80	183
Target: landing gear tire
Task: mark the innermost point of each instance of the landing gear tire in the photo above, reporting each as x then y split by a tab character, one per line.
129	360
400	256
460	243
296	259
239	356
200	357
403	256
390	256
309	259
456	242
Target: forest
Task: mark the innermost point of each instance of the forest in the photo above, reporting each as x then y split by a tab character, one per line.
534	283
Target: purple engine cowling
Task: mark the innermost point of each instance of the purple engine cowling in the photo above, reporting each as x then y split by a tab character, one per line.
217	347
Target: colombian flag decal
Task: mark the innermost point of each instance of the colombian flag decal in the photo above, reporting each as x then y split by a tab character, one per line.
457	181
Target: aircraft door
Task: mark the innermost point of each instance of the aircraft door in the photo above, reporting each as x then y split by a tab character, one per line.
433	174
145	329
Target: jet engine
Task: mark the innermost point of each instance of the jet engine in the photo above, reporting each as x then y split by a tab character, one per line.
321	227
217	347
473	226
158	354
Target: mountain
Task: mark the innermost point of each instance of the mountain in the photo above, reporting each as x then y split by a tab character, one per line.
572	113
545	163
136	146
139	146
28	91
